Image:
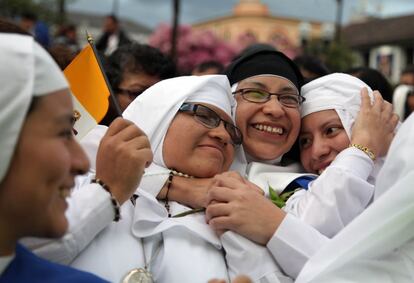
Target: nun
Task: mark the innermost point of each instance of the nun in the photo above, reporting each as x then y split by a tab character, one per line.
342	191
39	158
192	135
378	246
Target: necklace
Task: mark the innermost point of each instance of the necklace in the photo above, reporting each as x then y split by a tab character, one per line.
138	275
143	275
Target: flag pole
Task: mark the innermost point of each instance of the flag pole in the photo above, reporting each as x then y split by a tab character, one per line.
98	59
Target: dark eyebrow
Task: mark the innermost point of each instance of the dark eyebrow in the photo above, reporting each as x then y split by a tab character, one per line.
331	121
283	89
258	84
289	88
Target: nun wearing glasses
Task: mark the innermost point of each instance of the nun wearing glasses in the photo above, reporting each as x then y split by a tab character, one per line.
345	187
189	123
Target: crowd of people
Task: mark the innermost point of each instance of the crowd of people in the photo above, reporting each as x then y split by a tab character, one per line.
265	170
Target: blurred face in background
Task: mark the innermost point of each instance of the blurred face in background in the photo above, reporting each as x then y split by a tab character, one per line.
132	85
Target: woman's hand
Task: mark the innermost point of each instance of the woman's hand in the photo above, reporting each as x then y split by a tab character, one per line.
238	205
191	192
123	154
375	124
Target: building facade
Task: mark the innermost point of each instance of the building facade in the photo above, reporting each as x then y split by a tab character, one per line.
252	22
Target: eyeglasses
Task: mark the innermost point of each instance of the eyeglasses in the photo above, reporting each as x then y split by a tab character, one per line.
211	120
288	99
132	94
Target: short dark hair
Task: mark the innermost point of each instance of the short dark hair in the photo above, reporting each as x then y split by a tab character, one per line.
312	64
9	27
374	79
204	66
138	58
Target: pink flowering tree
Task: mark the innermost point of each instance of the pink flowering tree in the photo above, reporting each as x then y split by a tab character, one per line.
193	47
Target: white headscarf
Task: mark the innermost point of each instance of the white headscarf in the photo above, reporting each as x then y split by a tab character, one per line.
154	109
26	70
153	112
340	92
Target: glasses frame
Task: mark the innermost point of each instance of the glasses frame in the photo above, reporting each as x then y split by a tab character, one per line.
237	137
243	91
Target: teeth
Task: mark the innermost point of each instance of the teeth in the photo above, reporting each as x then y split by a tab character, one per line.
65	192
320	171
269	129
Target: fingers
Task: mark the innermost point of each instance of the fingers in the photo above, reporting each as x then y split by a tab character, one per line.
230	175
394	120
378	104
365	100
116	126
220	194
242	279
221	223
216	210
124	130
142	149
255	188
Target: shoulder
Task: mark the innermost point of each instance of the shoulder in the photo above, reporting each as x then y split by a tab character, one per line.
27	267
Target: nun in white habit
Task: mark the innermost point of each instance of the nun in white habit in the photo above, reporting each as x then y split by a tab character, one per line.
173	249
342	191
118	249
378	246
39	158
346	185
186	249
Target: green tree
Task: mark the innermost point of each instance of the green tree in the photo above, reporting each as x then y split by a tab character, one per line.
336	55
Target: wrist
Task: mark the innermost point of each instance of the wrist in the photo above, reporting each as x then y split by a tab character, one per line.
368	151
115	204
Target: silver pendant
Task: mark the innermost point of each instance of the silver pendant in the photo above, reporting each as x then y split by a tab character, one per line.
138	275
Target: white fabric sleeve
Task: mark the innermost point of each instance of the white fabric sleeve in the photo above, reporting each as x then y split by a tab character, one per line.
337	196
90	211
248	258
154	179
293	243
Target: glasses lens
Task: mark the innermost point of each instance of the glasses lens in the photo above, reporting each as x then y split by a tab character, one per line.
254	95
289	100
207	116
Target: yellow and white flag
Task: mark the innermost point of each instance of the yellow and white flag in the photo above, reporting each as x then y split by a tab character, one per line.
90	91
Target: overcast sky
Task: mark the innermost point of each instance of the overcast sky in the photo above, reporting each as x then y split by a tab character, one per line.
153	12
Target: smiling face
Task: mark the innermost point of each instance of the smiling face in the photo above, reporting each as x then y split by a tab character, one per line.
192	148
46	160
321	138
269	129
